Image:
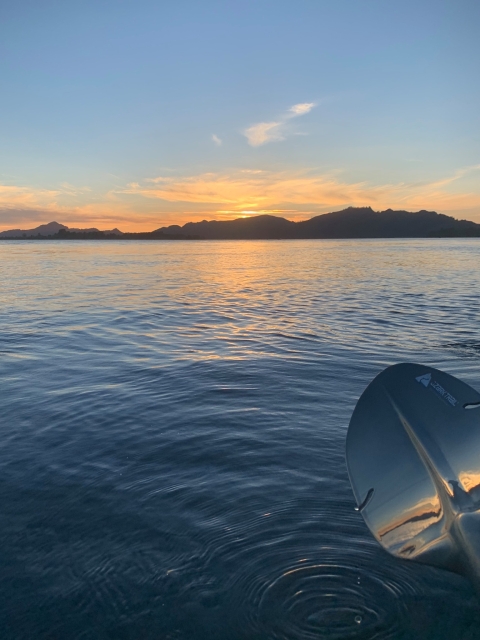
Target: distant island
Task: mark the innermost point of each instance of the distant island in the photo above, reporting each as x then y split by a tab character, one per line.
353	222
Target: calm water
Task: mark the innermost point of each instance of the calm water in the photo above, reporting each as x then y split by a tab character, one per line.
173	420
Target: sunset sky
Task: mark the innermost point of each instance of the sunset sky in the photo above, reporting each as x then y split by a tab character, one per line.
139	114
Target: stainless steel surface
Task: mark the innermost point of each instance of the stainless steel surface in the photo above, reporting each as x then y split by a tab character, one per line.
413	457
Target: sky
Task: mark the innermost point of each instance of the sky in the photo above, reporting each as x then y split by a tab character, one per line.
140	114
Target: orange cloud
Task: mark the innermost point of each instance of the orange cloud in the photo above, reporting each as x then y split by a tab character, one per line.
260	189
14	196
160	201
28	207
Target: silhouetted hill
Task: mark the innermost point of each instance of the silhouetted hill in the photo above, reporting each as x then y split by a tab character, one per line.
258	227
349	223
366	223
53	229
43	230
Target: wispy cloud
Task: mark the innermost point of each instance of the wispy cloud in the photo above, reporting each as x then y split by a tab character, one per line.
151	203
255	190
458	175
263	132
24	206
12	196
300	109
216	140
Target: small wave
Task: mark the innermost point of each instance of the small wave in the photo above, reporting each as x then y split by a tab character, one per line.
328	600
469	348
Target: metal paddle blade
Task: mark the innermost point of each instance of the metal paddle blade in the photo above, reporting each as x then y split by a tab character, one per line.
413	457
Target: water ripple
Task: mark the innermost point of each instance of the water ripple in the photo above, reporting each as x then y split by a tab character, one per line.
173	426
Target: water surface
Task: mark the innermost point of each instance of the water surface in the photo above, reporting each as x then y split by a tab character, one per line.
173	425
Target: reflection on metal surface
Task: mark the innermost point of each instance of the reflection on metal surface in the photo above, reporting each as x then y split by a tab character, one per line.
470	480
411	439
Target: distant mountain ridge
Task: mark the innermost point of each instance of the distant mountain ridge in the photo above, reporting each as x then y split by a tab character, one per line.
353	222
50	229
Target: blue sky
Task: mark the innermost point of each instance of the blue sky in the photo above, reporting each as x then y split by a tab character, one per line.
139	114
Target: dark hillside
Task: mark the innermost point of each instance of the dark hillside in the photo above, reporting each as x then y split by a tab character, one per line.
366	223
349	223
257	227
